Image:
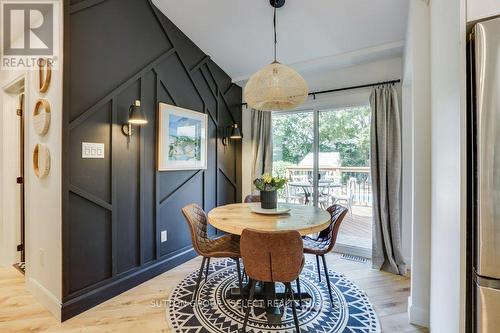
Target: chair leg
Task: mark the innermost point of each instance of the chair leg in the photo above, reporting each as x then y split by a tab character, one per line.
299	292
250	300
327	277
319	269
208	266
240	284
285	296
245	276
199	278
294	310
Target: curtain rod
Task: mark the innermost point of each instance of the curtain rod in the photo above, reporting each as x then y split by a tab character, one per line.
348	88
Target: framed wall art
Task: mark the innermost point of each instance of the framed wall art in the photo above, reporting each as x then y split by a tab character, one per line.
182	139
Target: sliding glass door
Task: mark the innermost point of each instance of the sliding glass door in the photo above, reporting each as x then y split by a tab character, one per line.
344	172
325	155
293	154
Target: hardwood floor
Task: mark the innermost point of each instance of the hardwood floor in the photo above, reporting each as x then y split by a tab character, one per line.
136	310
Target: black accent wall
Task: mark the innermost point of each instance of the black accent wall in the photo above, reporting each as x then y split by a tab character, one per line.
117	51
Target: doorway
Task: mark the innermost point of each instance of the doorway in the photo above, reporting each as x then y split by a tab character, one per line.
325	155
13	178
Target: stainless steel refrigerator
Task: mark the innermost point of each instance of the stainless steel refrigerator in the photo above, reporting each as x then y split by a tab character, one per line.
484	55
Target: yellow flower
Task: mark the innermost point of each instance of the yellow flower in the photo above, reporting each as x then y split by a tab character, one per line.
267	178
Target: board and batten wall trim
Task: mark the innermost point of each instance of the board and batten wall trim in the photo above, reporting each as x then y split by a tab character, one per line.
117	51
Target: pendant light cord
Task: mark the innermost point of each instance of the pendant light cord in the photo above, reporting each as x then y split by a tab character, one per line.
274	25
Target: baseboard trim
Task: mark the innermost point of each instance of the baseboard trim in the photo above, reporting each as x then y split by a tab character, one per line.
74	306
417	316
45	297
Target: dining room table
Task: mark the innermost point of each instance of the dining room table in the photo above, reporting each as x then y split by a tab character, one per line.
234	218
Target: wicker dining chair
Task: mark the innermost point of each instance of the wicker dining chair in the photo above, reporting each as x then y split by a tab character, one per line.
272	257
227	246
252	198
324	242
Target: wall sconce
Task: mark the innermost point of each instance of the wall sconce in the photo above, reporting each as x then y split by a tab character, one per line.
232	132
136	116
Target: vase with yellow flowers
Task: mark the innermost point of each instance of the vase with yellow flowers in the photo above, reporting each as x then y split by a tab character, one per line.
268	185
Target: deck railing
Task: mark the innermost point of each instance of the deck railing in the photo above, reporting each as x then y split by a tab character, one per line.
362	195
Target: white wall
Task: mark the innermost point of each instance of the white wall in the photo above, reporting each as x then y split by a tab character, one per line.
448	95
371	72
480	9
43	196
10	203
3	255
417	158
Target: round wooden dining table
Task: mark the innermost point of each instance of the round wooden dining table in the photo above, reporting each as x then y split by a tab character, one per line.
234	218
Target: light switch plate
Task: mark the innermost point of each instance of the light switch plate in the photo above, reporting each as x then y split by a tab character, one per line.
92	150
163	236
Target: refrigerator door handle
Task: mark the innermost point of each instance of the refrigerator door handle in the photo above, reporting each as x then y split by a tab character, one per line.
488	303
488	283
487	58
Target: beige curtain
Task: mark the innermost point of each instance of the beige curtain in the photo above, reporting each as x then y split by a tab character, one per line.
262	143
386	180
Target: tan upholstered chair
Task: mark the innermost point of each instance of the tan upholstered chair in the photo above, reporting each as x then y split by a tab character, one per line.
272	257
227	246
325	241
252	198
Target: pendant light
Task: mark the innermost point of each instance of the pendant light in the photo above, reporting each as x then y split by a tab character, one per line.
276	86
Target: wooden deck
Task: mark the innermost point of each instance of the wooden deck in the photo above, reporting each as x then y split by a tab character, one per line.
356	230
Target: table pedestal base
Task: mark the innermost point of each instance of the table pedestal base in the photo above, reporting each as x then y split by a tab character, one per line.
272	294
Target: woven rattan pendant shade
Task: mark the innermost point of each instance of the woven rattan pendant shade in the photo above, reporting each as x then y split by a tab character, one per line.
275	87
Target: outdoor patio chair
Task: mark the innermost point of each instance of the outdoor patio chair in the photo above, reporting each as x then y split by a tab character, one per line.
348	198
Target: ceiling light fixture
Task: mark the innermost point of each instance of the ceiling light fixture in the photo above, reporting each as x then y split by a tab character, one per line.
276	86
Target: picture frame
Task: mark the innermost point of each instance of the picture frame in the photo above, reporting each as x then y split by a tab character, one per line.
182	138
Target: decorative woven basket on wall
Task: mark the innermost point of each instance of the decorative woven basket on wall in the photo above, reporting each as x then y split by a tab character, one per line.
41	160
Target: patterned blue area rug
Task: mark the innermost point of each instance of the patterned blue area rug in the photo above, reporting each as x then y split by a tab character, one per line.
350	312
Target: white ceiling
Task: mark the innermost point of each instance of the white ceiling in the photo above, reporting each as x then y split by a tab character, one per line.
312	34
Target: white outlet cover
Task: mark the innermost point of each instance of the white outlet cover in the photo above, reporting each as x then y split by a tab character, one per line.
92	150
163	236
